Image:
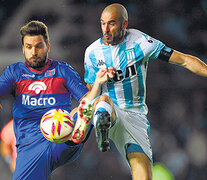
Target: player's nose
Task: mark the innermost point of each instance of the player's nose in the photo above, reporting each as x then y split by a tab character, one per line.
106	28
34	51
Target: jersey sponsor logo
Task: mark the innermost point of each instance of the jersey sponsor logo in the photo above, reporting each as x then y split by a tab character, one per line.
100	63
53	85
37	86
120	75
28	75
130	54
27	100
150	40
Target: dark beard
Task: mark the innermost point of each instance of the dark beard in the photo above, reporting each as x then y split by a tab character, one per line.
119	38
39	65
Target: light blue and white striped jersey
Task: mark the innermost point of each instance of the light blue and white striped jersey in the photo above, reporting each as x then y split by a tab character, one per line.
130	58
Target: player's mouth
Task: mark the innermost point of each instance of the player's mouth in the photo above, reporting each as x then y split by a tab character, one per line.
34	59
107	36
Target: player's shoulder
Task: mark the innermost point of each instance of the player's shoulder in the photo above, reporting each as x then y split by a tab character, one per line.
140	37
135	34
63	67
60	64
57	63
15	67
94	45
17	64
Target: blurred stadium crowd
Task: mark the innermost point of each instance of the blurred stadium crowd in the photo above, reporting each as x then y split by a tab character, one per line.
176	98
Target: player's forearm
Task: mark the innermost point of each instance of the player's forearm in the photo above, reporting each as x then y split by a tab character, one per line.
196	66
102	76
5	149
94	90
189	62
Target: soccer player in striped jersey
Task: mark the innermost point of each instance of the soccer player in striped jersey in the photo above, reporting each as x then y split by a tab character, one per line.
39	85
120	112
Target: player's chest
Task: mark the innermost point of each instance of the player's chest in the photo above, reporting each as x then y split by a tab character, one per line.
118	56
35	84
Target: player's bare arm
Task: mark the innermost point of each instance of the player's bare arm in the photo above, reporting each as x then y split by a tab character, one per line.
89	86
189	62
105	73
102	76
5	149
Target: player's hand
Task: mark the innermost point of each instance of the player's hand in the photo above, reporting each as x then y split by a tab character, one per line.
1	106
104	74
111	72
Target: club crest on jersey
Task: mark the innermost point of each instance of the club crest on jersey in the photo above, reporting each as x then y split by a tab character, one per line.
37	86
50	73
130	54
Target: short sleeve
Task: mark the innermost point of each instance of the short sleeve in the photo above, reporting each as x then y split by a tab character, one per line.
6	81
90	70
153	46
73	83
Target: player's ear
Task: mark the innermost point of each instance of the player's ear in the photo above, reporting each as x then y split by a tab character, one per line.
48	47
23	48
124	24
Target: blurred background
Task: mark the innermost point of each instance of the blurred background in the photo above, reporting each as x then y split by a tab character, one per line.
176	98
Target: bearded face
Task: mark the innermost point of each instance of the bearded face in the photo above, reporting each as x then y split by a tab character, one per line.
35	51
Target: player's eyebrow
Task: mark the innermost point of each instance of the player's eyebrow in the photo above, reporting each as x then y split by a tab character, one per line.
39	43
108	21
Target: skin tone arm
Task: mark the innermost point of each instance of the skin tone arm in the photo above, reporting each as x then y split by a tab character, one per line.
107	73
6	153
89	86
189	62
102	76
5	149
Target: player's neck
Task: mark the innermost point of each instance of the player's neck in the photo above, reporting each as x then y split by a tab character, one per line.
116	41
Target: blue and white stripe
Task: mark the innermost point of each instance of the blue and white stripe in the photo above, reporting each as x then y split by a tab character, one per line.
130	58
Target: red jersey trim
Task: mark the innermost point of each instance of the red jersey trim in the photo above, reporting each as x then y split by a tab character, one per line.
49	85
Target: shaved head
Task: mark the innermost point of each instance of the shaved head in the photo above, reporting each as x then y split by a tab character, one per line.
117	9
114	21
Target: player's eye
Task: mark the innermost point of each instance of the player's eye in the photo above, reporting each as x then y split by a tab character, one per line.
112	23
28	46
39	46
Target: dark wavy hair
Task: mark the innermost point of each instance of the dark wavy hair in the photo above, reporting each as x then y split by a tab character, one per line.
35	28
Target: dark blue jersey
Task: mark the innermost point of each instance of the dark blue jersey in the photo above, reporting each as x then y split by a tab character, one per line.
36	92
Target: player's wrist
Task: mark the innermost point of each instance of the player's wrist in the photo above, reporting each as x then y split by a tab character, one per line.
98	82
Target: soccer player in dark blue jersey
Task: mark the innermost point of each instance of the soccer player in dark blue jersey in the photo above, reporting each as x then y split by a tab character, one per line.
38	85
